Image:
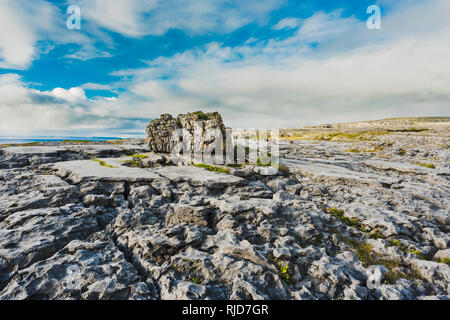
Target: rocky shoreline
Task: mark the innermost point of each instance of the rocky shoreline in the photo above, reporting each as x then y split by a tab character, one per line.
114	221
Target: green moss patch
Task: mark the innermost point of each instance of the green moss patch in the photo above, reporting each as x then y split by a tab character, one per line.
140	156
426	165
353	150
212	168
283	269
339	213
201	115
103	163
364	253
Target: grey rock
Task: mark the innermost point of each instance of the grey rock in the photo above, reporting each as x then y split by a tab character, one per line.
187	214
200	177
82	270
441	255
160	131
87	170
98	200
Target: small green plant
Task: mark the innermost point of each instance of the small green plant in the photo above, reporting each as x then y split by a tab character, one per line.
353	150
334	211
196	280
401	152
396	243
136	163
446	261
282	269
103	163
140	156
417	253
201	115
376	234
212	168
426	165
339	213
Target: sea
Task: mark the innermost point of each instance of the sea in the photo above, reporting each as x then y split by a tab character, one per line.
54	139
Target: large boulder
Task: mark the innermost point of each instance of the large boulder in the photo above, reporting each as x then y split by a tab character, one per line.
199	125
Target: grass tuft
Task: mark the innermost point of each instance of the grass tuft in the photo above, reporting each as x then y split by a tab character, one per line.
353	150
426	165
140	156
201	115
196	280
103	163
339	213
364	253
282	269
212	168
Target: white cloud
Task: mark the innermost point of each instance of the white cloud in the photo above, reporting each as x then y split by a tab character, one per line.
96	86
136	18
21	23
29	28
71	95
25	111
287	23
88	52
352	73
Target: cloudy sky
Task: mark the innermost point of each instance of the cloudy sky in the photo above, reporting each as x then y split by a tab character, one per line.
262	64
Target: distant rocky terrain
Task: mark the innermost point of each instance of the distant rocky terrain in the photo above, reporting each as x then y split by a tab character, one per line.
111	220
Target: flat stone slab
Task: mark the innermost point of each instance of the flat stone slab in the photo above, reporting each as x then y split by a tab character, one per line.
83	170
36	155
201	177
235	205
94	149
327	172
31	235
400	166
32	150
81	148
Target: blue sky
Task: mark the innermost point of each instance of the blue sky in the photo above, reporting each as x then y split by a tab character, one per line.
269	63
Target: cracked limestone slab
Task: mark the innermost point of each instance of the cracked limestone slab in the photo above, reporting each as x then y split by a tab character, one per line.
400	166
82	270
98	150
325	172
33	150
34	235
83	170
392	222
22	201
200	177
235	204
23	156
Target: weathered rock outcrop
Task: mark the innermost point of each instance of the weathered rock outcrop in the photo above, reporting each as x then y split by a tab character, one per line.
198	128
